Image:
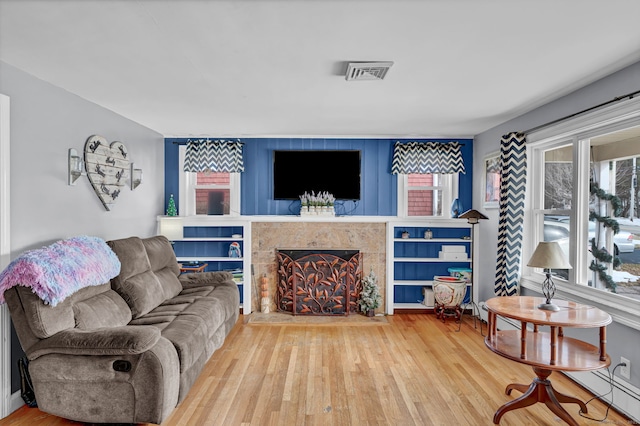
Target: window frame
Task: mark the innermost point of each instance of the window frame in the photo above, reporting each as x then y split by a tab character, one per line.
449	189
187	187
577	131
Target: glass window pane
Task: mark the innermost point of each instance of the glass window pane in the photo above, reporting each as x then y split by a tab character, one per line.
558	178
556	228
208	178
426	202
614	167
212	201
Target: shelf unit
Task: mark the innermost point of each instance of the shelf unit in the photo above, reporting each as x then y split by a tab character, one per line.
207	239
413	262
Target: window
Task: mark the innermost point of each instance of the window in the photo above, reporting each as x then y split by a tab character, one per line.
426	195
209	193
565	161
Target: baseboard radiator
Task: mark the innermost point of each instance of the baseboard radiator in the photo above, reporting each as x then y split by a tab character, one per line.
626	397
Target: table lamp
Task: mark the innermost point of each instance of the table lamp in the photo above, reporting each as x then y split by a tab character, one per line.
172	228
548	255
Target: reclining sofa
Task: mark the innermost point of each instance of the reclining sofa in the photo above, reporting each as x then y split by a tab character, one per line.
128	350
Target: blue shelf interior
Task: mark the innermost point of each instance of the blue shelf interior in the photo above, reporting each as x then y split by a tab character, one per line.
418	232
423	270
413	294
204	249
211	231
212	249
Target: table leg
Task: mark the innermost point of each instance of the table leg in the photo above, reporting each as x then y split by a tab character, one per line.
518	387
540	390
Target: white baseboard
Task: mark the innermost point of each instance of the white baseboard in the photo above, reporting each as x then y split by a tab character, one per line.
15	402
626	397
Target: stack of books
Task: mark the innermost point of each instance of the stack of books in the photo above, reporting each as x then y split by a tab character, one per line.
238	276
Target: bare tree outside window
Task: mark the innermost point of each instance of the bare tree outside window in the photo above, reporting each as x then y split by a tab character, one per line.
626	177
558	185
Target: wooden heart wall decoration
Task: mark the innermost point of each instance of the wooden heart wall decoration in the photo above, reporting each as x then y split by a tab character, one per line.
107	168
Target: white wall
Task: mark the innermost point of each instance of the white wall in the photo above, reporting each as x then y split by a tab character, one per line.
618	335
618	84
45	122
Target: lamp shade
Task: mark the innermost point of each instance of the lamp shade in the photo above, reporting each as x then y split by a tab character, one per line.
549	255
472	216
171	228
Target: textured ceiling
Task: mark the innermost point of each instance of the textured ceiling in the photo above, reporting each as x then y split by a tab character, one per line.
276	68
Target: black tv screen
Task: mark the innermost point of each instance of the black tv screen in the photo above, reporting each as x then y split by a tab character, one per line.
297	172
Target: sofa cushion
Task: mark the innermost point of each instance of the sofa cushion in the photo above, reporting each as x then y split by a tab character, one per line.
189	334
163	263
137	284
45	320
107	309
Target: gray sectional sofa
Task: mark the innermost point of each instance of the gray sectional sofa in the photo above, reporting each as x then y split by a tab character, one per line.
127	351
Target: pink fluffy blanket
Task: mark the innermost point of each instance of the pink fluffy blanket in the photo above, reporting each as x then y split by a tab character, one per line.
59	270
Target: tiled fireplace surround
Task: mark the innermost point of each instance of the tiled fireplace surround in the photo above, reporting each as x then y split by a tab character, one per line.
267	237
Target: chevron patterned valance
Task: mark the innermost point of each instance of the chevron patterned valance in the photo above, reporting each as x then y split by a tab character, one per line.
214	156
427	157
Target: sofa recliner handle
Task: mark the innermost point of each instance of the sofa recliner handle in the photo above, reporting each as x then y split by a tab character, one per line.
122	365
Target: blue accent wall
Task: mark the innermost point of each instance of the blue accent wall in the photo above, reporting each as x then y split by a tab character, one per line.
378	185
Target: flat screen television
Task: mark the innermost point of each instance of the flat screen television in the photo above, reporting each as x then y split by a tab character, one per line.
335	171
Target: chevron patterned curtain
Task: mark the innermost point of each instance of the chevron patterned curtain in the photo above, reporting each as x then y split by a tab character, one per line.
513	158
427	157
214	156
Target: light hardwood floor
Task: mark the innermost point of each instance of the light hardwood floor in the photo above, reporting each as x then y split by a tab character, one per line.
415	370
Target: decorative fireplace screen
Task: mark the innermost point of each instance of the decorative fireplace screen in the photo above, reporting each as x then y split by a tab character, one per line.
318	282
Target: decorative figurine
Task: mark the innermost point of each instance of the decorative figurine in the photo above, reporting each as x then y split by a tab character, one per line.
171	209
264	302
234	249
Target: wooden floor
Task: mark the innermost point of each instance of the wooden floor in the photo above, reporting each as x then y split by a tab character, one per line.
414	370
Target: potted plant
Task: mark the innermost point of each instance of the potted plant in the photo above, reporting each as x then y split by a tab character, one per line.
330	202
304	203
370	297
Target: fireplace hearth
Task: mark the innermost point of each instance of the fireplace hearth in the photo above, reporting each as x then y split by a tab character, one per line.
318	282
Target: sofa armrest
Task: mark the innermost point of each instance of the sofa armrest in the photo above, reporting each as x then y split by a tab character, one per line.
196	279
96	390
128	339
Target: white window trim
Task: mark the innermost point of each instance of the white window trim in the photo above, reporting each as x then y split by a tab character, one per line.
187	184
5	254
449	188
608	119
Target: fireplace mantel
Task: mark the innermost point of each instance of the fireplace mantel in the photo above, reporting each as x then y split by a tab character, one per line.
320	218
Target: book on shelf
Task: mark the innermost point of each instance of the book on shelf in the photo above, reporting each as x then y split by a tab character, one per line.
238	275
192	264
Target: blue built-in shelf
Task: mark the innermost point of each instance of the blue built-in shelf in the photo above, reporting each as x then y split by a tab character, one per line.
216	233
206	239
414	261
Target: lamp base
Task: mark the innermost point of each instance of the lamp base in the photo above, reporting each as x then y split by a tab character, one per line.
548	307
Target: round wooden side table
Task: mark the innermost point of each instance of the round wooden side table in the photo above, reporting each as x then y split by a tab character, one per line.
546	351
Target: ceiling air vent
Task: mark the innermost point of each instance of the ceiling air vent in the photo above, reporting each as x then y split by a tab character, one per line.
367	70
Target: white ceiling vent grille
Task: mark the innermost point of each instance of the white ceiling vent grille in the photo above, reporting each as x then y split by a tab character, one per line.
367	70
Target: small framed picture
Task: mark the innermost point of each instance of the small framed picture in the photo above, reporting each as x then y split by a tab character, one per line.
491	187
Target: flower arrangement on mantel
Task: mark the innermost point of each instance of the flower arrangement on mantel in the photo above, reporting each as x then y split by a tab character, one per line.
321	203
370	297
